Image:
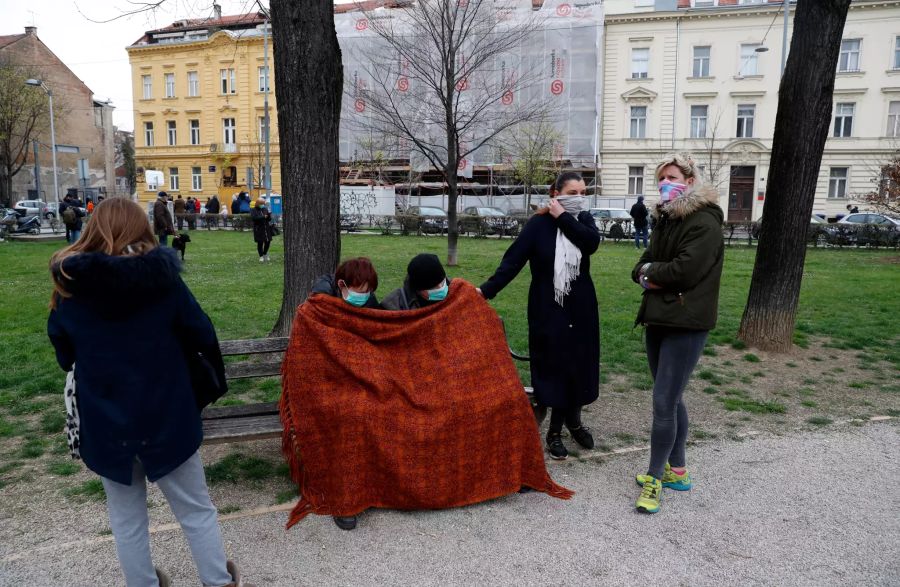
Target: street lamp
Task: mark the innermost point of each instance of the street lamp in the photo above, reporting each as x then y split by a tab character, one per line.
40	84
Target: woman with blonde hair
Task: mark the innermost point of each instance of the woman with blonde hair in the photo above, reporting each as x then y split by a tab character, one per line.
680	274
123	319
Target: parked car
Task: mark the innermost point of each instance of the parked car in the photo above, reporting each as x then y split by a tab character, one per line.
35	207
614	223
487	220
820	232
427	219
868	228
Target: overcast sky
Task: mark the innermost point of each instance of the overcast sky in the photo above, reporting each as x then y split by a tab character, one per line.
96	52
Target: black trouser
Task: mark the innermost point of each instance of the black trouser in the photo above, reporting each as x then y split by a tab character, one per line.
571	417
672	354
263	247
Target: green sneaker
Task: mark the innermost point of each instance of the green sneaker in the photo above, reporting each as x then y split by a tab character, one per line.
648	502
670	479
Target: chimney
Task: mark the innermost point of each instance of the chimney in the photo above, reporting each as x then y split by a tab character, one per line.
31	31
218	10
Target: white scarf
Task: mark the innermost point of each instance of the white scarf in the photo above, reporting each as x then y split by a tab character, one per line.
567	262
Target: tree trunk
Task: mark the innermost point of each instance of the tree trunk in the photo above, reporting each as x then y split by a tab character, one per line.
452	228
308	85
6	191
801	128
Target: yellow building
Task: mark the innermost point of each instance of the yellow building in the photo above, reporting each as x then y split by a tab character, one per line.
199	94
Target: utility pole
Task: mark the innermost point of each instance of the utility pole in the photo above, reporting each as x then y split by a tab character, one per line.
267	173
37	170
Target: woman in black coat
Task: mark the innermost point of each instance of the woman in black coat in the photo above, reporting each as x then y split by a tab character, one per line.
125	322
262	229
563	318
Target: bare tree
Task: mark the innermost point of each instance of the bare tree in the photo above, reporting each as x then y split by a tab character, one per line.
531	147
713	158
24	116
885	197
438	73
801	128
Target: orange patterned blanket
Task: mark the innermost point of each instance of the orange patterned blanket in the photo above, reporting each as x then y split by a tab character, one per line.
405	410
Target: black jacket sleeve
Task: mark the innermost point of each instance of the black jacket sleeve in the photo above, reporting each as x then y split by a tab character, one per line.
582	231
65	352
197	333
513	261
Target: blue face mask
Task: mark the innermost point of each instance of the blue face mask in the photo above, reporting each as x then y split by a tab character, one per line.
354	298
436	295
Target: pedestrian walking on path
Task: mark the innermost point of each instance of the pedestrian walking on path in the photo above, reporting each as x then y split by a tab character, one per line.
639	215
563	319
680	274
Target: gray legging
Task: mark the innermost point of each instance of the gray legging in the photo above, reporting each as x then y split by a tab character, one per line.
672	354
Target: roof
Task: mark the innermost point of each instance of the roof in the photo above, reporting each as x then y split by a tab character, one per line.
193	24
9	39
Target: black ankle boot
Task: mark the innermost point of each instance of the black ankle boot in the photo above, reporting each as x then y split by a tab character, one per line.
582	435
345	522
556	447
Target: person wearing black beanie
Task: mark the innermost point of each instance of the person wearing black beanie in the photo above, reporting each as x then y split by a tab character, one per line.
426	283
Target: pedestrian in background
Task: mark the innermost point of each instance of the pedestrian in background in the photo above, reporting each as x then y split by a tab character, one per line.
262	229
162	221
179	206
680	274
639	214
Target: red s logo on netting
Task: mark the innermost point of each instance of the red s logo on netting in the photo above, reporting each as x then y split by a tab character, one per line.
403	84
556	87
462	164
462	85
507	98
359	105
563	10
362	24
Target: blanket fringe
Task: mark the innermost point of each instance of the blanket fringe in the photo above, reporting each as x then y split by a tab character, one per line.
554	489
300	511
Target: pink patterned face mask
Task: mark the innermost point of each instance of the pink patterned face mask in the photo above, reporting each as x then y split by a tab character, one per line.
669	190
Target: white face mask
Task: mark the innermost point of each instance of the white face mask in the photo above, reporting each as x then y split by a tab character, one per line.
572	204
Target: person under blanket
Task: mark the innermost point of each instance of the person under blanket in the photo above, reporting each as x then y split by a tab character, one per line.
426	283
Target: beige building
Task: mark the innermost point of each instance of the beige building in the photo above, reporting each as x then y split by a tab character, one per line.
199	108
704	78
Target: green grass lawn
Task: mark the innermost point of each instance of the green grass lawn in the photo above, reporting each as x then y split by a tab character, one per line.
849	299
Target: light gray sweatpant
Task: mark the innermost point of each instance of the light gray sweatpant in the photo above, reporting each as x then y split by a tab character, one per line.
185	490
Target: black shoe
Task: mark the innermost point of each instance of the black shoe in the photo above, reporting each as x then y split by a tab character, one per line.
525	489
582	436
345	522
556	447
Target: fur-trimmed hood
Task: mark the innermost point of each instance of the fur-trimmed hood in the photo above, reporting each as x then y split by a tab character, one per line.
120	280
696	198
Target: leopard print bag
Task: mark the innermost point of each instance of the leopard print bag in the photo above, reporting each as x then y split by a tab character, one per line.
72	420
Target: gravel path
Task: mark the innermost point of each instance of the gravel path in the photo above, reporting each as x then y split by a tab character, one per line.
806	509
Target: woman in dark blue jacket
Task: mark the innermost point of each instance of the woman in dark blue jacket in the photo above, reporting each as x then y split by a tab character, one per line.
125	321
563	318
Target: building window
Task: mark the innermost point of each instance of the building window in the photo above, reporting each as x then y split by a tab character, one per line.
147	81
749	59
638	122
640	63
635	181
228	81
263	72
897	53
170	85
173	178
262	129
170	133
746	2
148	134
704	3
849	60
893	125
229	131
837	182
195	132
843	119
698	121
193	84
745	115
701	61
196	179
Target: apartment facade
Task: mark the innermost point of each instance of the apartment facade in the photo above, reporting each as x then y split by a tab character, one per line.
704	78
199	108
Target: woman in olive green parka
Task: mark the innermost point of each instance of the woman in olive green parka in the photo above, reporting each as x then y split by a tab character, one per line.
680	274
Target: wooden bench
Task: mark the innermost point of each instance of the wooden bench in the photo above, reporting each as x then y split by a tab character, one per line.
261	420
